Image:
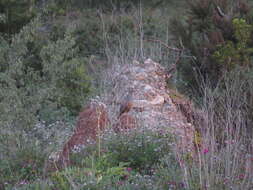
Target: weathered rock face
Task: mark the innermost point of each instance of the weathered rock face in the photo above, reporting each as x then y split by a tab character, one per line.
91	123
138	97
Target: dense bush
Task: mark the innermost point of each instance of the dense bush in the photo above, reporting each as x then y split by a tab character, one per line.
230	54
140	149
209	26
16	14
38	75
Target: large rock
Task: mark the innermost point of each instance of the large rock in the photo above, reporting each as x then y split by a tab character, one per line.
140	98
137	97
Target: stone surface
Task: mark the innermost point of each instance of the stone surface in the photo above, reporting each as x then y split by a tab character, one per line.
150	103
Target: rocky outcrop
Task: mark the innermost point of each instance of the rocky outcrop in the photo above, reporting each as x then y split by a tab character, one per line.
140	90
137	97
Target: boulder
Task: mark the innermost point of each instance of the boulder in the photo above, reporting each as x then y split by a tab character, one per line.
140	98
137	97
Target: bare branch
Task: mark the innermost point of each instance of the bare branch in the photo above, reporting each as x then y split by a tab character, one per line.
220	12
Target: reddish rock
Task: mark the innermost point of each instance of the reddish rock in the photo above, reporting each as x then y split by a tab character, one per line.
91	123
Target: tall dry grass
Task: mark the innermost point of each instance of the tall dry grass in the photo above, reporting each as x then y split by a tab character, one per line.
224	159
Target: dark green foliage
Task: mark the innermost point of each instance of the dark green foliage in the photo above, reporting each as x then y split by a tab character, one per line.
89	34
231	54
38	75
140	150
209	26
65	73
17	13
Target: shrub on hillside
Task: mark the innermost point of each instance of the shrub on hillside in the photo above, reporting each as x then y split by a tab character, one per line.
209	26
38	74
16	14
142	149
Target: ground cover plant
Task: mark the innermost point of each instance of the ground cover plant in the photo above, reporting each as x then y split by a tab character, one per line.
52	54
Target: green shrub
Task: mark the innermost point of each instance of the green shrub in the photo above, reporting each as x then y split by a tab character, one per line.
37	75
236	53
141	149
208	36
17	14
89	34
65	74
